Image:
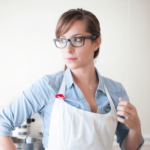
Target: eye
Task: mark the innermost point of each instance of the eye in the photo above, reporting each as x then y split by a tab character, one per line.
77	39
61	40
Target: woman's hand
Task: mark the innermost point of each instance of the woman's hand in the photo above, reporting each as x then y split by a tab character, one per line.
125	108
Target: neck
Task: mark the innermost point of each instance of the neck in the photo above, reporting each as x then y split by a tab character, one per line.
86	76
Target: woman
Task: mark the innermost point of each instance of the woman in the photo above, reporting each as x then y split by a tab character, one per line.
80	108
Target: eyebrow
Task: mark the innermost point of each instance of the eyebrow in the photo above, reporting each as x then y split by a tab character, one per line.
73	35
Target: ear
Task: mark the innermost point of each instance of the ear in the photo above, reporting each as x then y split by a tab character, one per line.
97	43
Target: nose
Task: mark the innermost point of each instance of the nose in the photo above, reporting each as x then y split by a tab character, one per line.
69	47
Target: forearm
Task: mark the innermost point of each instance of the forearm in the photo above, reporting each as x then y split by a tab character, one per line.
133	139
6	143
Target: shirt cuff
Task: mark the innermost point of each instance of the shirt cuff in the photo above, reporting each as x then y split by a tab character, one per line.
123	147
5	133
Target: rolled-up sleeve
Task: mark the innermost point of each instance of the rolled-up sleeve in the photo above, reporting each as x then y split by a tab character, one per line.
31	101
123	147
122	130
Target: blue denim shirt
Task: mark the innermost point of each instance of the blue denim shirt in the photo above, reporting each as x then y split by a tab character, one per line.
40	96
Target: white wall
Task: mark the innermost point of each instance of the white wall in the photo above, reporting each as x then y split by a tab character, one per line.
27	51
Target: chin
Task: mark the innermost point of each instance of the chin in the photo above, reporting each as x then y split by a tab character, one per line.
72	66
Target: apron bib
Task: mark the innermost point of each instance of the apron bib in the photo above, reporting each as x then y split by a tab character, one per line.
76	129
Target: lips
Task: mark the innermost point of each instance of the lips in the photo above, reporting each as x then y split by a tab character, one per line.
71	58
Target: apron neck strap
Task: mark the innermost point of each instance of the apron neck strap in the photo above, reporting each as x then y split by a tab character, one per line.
62	87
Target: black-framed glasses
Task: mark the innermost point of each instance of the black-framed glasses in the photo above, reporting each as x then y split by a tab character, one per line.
75	41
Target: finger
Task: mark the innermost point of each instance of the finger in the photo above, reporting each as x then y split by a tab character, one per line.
125	103
121	120
124	109
122	113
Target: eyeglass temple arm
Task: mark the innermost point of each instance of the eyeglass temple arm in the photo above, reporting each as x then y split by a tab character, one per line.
91	37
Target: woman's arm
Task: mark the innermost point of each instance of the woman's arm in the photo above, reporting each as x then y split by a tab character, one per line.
128	132
6	143
134	136
31	101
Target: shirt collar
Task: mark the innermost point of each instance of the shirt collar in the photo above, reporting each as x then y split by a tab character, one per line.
69	79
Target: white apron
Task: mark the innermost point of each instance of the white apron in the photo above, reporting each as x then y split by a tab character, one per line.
72	128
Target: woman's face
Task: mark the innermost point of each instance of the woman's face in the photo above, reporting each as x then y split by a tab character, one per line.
83	55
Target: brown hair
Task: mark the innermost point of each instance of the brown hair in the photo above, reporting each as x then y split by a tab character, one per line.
66	19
